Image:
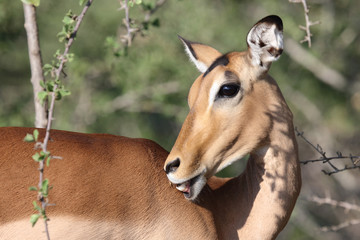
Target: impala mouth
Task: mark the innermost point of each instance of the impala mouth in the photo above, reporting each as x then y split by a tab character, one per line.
192	187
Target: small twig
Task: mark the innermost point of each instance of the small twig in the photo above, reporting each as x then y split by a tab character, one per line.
355	160
127	24
72	38
328	201
152	11
131	32
308	23
340	204
335	228
127	38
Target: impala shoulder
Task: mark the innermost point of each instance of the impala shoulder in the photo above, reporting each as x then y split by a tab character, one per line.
153	149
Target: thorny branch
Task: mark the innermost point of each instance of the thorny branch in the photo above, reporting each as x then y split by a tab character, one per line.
355	160
345	205
308	23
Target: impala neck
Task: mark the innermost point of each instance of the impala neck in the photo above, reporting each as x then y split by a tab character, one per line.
259	202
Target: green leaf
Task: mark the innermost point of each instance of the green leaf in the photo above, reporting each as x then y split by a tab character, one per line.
33	188
33	219
68	20
48	161
138	1
42	83
58	96
36	134
36	207
39	157
50	86
29	138
70	57
36	157
81	2
44	187
156	22
36	3
42	96
62	35
64	92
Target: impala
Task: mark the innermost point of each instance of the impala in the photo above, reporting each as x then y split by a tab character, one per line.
112	187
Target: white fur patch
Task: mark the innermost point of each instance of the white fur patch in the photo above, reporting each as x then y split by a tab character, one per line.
271	37
212	93
199	65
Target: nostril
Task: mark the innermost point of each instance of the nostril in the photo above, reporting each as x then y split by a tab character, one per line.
172	166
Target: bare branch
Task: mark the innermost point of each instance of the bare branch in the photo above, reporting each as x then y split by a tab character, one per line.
355	160
338	204
128	22
35	63
335	228
308	23
328	201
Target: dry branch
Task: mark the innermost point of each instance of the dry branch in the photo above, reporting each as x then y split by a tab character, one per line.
355	160
308	23
328	201
340	226
345	205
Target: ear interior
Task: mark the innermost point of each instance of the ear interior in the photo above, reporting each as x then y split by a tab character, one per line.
265	40
201	55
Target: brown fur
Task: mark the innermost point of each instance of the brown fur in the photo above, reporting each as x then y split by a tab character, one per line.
101	178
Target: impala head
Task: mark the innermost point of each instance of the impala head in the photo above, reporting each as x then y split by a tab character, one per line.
230	107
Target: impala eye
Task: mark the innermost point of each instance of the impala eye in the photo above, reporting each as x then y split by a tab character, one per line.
228	90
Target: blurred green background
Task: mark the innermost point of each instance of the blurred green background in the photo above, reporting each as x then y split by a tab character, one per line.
144	93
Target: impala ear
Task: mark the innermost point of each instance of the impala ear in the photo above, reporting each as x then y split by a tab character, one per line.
201	55
265	41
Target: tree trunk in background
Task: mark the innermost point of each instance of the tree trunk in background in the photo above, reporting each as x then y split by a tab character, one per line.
35	63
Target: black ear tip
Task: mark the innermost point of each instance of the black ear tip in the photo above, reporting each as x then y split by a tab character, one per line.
187	42
273	19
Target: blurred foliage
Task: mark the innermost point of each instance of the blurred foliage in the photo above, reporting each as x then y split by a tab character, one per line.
99	74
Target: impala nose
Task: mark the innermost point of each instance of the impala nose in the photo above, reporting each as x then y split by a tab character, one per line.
172	166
